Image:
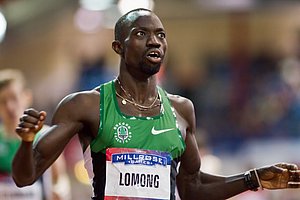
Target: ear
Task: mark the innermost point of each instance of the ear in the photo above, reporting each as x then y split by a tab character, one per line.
117	47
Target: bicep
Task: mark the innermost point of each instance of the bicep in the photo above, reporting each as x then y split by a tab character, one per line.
188	177
65	124
54	138
190	160
50	146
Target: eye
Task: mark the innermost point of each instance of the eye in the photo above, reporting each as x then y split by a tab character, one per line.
140	33
161	35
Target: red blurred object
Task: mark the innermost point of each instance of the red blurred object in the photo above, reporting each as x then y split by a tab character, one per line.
2	2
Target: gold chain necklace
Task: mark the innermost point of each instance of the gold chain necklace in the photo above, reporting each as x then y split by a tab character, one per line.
133	102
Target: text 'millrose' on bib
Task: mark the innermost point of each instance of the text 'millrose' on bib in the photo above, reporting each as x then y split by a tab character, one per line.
137	174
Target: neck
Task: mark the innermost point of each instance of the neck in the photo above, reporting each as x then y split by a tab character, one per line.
141	89
137	90
146	103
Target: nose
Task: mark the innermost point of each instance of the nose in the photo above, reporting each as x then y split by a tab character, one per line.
153	41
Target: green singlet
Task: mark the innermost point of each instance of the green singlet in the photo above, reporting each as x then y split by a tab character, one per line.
138	142
119	130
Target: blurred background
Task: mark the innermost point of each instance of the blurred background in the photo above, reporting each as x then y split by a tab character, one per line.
237	60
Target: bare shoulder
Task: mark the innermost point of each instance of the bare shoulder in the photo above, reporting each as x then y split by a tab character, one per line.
77	105
185	114
82	98
182	105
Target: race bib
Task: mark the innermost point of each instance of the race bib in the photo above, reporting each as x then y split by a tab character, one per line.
137	174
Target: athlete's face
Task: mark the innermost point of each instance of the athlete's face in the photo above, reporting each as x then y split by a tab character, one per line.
145	43
13	101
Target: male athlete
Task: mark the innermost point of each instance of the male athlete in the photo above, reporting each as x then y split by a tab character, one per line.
134	134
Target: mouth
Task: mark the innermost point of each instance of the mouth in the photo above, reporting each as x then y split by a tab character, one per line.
154	56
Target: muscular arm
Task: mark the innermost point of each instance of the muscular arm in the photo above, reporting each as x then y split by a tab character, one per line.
31	161
195	184
191	182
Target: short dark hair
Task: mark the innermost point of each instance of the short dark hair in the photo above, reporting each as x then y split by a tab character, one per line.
124	20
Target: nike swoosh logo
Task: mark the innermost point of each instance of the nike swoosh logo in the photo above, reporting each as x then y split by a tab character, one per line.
157	132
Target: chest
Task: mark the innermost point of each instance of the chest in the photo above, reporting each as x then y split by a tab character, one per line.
158	133
141	133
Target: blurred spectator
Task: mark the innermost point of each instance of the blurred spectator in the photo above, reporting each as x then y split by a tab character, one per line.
15	97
